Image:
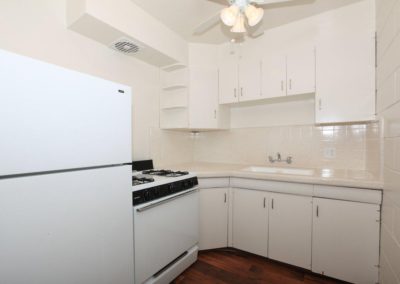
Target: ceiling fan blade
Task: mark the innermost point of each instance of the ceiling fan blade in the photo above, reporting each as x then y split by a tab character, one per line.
266	2
205	26
256	34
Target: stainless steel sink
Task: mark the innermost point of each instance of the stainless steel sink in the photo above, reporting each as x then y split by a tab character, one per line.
285	171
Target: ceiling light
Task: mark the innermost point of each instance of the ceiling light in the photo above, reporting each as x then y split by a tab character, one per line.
229	15
239	25
254	15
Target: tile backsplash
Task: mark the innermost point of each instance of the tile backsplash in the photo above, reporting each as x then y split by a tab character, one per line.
355	146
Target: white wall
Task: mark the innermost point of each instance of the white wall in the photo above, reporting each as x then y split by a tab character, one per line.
37	29
388	28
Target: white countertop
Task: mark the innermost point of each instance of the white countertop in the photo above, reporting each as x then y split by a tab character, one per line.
345	178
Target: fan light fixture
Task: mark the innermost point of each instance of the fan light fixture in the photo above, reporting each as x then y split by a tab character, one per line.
229	15
234	16
254	15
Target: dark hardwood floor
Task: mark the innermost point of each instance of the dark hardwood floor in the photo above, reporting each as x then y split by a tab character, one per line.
230	266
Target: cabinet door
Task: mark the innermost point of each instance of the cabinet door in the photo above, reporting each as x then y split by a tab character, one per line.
346	72
301	71
290	227
228	79
274	76
203	97
213	218
346	240
249	79
250	221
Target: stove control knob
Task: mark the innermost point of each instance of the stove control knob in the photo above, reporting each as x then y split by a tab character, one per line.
146	195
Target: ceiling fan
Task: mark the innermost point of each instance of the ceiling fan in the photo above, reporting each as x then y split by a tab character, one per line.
237	13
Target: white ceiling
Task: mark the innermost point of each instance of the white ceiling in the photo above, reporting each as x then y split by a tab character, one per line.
183	16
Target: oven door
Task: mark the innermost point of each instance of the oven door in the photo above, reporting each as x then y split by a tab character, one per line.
163	231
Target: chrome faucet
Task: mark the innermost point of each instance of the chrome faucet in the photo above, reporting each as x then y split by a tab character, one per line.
278	159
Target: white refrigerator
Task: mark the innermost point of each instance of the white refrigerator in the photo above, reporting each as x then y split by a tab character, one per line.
65	186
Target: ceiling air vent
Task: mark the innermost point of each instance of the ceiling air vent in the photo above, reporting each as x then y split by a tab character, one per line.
126	46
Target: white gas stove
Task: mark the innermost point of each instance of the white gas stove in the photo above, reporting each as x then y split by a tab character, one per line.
166	224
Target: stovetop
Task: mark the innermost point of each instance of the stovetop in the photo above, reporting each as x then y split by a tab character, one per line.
155	177
150	185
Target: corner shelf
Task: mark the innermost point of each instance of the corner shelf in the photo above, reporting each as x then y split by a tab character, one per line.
174	87
173	67
174	111
173	107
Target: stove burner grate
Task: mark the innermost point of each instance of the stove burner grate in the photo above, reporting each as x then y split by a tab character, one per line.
166	173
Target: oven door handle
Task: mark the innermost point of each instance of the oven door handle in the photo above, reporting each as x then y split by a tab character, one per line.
195	189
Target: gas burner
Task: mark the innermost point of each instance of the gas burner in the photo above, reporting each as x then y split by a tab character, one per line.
137	180
166	173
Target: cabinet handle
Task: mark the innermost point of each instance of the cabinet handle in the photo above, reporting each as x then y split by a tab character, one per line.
234	92
272	204
265	200
215	114
290	84
320	104
317	211
224	197
241	92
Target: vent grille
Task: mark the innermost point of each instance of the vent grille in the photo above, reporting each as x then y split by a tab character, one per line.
125	46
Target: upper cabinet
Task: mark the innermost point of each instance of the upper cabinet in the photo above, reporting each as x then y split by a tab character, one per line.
239	74
228	76
330	55
189	100
274	75
346	67
289	73
249	77
301	70
189	95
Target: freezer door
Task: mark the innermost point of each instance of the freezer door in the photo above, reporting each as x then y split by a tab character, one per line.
52	118
73	227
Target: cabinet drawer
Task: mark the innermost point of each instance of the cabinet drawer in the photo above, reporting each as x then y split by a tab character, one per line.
273	186
213	182
349	194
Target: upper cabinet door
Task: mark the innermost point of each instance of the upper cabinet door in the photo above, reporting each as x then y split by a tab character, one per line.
203	97
274	76
228	76
301	70
346	69
249	79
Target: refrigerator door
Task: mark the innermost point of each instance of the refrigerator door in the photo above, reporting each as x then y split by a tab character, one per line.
73	227
52	118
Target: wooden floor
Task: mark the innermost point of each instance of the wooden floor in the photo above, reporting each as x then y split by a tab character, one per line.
237	267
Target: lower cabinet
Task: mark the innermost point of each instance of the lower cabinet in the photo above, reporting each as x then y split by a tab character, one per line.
213	218
290	227
346	240
325	234
250	221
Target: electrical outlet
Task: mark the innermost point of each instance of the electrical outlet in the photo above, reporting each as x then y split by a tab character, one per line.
330	153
